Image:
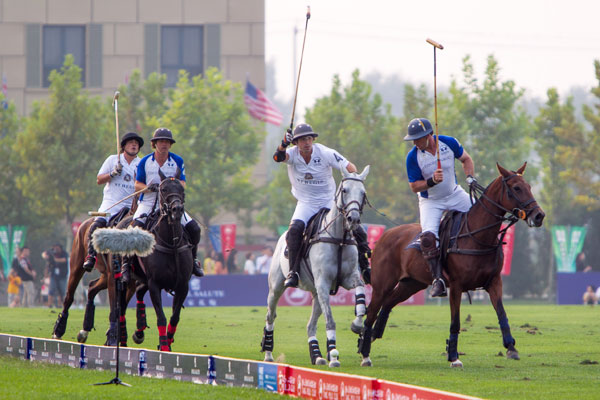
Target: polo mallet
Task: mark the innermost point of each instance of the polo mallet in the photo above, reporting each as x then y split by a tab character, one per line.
115	104
107	214
130	241
436	45
300	67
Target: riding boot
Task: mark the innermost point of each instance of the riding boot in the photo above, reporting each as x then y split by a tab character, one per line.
128	260
194	231
90	259
364	253
294	244
432	254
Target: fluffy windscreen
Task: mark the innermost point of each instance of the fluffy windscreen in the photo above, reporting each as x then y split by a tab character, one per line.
130	241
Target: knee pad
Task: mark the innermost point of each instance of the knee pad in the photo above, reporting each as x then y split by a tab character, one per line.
295	231
428	241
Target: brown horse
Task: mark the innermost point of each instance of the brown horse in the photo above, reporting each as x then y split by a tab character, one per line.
106	280
474	261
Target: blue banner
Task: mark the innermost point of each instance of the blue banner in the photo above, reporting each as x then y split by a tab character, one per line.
214	233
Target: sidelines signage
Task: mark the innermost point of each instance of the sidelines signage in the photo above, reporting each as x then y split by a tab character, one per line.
10	240
299	297
222	238
5	249
567	242
285	379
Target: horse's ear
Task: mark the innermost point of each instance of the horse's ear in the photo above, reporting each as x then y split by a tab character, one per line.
363	175
503	171
162	176
520	170
177	173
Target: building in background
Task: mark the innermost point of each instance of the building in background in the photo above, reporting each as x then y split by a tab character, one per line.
111	38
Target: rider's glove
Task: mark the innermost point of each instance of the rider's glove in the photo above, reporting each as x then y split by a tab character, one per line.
471	180
287	139
116	170
153	187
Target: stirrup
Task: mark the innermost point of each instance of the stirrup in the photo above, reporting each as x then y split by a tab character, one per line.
438	288
90	261
292	280
197	269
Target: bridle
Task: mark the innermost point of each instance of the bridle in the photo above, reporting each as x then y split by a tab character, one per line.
168	201
346	208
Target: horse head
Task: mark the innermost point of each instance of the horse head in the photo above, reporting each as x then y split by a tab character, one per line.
351	197
518	199
172	196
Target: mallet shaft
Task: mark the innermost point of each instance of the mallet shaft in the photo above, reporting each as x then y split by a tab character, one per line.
116	106
300	68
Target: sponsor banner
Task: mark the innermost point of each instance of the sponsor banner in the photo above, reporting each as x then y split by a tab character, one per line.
374	232
99	358
178	366
227	239
214	234
567	242
18	239
75	227
55	352
267	376
5	249
314	384
571	286
298	297
235	372
507	249
15	346
385	390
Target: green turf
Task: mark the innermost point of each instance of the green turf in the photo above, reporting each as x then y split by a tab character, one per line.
556	344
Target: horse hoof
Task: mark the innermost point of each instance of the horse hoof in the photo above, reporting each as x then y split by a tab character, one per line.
356	328
513	355
320	361
138	339
334	364
456	364
268	356
366	362
56	337
82	336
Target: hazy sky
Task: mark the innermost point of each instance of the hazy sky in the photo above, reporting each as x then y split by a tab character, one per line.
538	44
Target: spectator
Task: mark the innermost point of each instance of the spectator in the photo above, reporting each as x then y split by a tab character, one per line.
209	263
14	282
249	265
220	268
581	265
232	267
589	297
59	269
22	266
263	263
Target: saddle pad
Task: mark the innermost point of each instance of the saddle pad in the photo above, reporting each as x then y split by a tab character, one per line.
415	243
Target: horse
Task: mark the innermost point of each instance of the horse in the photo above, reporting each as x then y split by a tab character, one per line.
105	281
474	260
169	267
332	261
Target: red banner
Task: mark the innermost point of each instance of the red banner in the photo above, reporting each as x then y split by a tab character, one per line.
298	297
75	227
507	249
227	239
374	232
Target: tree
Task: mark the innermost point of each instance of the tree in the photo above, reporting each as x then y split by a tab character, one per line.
488	119
218	142
61	148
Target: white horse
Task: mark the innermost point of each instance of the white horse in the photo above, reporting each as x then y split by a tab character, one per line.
332	260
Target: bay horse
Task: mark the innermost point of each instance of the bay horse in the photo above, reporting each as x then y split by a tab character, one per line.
473	261
105	281
332	261
169	267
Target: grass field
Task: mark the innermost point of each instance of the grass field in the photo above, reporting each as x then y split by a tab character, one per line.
559	348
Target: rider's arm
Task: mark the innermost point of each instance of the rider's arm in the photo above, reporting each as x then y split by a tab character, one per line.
102	179
351	167
139	186
467	163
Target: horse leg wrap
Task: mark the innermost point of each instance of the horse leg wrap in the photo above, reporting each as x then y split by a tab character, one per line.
88	319
60	326
123	328
162	338
330	346
364	342
267	340
380	323
360	304
140	313
314	350
452	347
171	333
507	339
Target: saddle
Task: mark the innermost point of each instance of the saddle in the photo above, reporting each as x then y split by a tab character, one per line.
311	230
115	219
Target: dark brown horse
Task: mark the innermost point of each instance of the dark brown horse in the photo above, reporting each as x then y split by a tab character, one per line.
106	280
475	261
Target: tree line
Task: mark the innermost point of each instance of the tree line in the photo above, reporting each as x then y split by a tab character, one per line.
50	158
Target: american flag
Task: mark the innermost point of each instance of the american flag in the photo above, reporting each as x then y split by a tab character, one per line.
260	107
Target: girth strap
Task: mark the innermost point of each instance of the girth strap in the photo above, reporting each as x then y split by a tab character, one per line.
341	243
171	250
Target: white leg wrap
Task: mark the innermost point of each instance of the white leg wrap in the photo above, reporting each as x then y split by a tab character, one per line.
269	326
312	338
330	334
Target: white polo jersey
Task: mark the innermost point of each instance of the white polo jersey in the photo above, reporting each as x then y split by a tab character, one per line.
313	182
421	164
119	186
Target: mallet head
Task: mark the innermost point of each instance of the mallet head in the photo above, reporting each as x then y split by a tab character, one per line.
307	12
115	97
435	44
